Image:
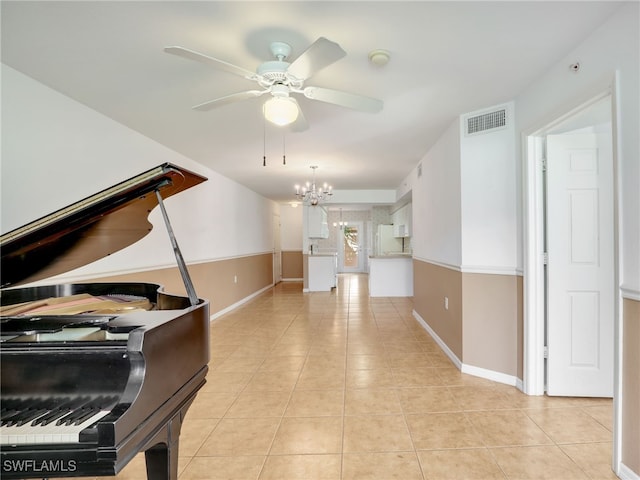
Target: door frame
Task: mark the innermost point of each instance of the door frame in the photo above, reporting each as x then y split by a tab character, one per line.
361	252
276	265
533	250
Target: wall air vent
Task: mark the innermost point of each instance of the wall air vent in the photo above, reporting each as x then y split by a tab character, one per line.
486	121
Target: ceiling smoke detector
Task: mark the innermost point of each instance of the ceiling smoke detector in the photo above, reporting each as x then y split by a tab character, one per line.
379	57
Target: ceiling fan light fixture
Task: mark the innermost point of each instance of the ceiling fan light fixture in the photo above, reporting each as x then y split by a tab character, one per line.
280	110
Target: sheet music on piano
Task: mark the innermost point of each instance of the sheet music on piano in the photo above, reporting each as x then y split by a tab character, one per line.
93	373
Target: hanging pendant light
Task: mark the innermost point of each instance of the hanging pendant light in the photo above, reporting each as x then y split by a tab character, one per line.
341	223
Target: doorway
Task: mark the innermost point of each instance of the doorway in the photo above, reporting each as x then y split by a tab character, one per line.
350	248
579	280
571	228
535	248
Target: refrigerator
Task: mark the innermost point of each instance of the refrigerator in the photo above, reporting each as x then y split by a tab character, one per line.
386	243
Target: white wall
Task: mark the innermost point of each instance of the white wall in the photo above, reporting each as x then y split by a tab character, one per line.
615	46
291	227
56	151
465	209
362	196
436	233
489	209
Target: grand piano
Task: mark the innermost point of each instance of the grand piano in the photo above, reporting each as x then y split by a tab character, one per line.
93	373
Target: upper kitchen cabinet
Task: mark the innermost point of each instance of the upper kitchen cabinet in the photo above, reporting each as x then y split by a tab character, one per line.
401	219
317	226
408	221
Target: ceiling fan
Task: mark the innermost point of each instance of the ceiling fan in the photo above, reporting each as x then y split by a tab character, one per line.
281	78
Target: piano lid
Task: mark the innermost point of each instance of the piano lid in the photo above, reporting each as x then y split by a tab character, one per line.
90	229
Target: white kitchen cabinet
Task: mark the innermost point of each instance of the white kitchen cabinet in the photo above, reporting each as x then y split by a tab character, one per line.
401	219
408	220
317	226
322	272
391	276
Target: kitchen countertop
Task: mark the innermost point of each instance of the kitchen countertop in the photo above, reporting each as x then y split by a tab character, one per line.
393	255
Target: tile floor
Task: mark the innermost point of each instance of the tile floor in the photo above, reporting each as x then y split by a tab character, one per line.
340	386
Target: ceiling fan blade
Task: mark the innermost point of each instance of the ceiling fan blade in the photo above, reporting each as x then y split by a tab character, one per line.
214	62
320	54
300	124
344	99
234	97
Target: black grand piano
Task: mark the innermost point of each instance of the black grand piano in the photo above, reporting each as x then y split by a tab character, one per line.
92	374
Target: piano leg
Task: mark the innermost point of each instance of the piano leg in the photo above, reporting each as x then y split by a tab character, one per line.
162	462
162	458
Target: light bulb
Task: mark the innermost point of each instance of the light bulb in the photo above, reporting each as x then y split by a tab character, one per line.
281	110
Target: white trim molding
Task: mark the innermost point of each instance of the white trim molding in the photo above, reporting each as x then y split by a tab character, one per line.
452	356
438	264
490	270
226	310
468	369
625	473
491	375
485	269
630	293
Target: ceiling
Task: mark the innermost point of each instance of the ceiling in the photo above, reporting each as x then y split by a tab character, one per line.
447	58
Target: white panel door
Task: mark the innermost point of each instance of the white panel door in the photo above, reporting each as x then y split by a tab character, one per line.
277	250
580	278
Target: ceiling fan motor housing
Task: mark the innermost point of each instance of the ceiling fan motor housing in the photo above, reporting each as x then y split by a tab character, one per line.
280	50
279	90
274	71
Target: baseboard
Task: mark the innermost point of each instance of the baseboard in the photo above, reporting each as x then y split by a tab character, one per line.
292	279
492	375
238	303
625	473
448	352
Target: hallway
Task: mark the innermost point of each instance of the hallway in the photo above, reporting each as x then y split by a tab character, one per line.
342	386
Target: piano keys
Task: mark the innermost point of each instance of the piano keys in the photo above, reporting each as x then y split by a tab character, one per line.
34	421
92	374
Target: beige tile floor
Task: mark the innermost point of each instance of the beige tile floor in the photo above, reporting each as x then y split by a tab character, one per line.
342	386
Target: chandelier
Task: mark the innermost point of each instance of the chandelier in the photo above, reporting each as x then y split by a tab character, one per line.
312	195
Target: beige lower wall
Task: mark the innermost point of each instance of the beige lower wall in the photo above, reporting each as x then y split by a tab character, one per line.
631	385
214	281
520	282
292	264
431	284
483	326
305	271
490	322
